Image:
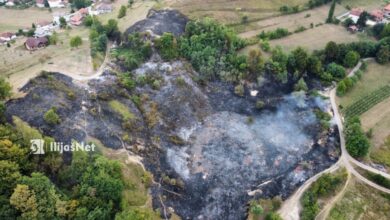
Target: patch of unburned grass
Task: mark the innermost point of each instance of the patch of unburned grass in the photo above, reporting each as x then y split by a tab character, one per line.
361	202
28	132
121	109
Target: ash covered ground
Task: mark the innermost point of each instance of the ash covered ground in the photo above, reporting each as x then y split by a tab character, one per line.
210	150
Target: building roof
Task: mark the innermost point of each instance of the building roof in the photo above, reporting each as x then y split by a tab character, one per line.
76	18
353	28
378	14
40	1
104	6
43	23
6	35
83	11
356	11
35	42
387	7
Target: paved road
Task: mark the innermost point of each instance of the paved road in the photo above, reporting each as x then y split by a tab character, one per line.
291	207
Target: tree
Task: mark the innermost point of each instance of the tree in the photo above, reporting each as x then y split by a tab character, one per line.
301	85
122	12
5	89
255	62
314	66
63	22
331	51
88	21
81	3
256	209
9	175
383	55
272	216
299	61
351	59
111	28
75	41
336	70
53	39
363	19
167	46
331	12
44	191
46	4
357	143
386	31
23	199
239	90
341	88
51	117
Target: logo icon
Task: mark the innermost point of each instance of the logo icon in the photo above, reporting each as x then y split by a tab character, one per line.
37	146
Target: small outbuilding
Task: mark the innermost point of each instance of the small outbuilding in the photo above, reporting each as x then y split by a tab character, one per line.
36	43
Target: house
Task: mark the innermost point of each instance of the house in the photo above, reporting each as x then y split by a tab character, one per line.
56	4
42	24
76	19
3	42
353	28
44	28
386	10
103	8
7	36
40	3
10	3
377	15
36	43
83	11
355	13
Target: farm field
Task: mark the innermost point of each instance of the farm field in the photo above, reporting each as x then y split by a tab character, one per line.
20	65
376	76
366	4
138	12
361	202
231	12
14	19
291	22
316	38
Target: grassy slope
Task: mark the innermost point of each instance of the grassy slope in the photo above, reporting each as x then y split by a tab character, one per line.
361	202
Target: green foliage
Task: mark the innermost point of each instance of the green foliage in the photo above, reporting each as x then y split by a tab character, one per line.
24	200
336	70
367	102
122	11
132	53
81	3
255	63
351	59
167	46
379	179
211	48
300	85
63	23
88	20
5	89
51	117
239	90
75	41
9	176
136	214
53	39
357	143
331	12
321	188
383	55
363	19
272	35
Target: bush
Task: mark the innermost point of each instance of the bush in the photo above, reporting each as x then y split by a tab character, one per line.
167	46
239	90
51	117
277	34
76	41
357	142
122	12
336	71
301	85
351	59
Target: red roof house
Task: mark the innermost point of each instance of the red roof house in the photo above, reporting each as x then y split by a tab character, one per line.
356	11
386	10
77	19
36	43
7	36
377	15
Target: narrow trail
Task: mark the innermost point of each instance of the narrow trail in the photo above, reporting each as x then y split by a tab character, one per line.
291	207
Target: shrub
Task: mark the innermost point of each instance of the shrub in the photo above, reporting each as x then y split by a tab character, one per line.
51	117
239	90
122	12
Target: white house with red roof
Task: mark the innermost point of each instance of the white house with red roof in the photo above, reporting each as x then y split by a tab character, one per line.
386	10
40	3
56	3
7	36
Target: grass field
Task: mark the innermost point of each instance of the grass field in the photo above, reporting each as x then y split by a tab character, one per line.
231	12
14	19
375	77
20	65
378	117
361	202
138	12
316	38
366	4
